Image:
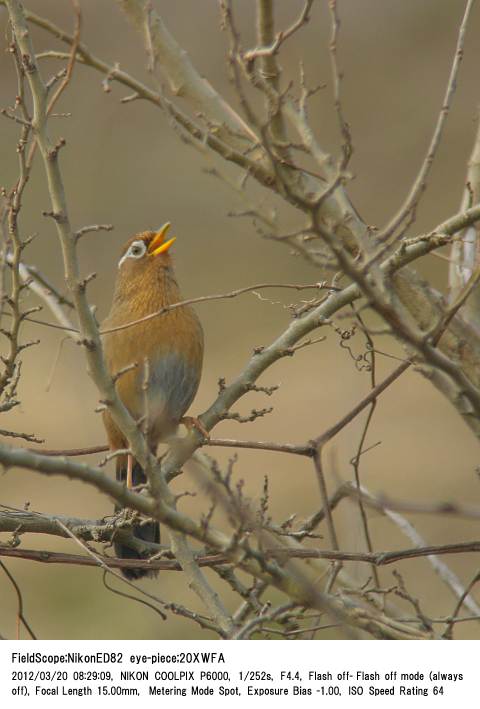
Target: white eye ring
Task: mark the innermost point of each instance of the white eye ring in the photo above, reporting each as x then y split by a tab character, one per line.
136	250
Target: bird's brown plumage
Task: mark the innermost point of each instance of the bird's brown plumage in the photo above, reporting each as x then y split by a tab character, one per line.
167	350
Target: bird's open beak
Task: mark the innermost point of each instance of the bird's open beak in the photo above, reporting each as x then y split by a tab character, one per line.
157	244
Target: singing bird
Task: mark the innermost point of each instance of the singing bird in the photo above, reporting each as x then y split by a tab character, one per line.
166	351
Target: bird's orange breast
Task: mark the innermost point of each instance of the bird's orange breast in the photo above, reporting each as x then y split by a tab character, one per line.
167	351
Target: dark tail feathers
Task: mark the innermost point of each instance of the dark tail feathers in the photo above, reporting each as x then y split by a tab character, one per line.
148	532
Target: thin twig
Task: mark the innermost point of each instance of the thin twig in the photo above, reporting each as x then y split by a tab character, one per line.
454	618
20	614
420	182
360	449
379	558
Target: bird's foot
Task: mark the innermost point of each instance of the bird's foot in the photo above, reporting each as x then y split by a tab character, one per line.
125	517
129	471
192	422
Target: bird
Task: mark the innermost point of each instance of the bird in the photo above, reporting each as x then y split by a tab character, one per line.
156	364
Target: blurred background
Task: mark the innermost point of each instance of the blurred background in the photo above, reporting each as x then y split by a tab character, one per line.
124	164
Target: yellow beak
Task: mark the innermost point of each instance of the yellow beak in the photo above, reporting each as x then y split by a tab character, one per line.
158	245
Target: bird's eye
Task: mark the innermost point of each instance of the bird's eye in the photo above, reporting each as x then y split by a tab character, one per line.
136	250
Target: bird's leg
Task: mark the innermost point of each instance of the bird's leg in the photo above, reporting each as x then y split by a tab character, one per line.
129	471
192	422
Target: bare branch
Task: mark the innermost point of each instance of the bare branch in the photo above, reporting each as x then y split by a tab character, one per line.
20	614
419	185
464	252
184	79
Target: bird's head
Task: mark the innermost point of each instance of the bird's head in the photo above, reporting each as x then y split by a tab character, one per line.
146	250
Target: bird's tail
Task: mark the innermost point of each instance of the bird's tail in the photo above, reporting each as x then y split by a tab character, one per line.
148	532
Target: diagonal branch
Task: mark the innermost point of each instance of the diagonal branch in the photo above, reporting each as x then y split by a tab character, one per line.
419	185
184	79
465	252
